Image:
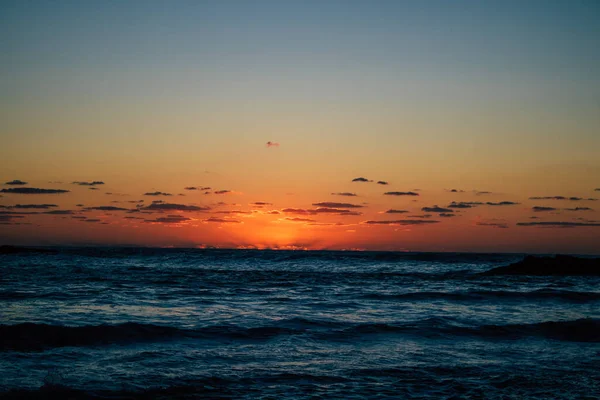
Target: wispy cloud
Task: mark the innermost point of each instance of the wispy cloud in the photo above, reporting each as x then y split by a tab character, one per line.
331	204
35	206
559	224
272	144
320	210
197	188
222	191
222	220
401	222
347	194
401	194
93	183
579	209
296	219
382	183
392	211
502	225
361	179
106	208
16	182
260	204
463	204
33	191
170	219
542	209
573	198
157	194
502	203
436	209
173	207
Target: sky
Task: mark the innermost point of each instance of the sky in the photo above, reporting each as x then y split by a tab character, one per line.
481	119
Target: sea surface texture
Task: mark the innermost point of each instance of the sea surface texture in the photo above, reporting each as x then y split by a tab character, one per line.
244	324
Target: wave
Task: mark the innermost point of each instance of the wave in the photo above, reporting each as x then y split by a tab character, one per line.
16	295
472	295
580	330
37	337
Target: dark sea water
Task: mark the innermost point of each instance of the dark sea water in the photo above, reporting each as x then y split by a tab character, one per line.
123	323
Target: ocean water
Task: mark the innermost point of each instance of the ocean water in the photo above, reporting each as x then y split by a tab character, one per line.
243	324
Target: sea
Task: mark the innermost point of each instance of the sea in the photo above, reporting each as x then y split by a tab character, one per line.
127	323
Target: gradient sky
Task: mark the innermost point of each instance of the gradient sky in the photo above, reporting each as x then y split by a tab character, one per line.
429	96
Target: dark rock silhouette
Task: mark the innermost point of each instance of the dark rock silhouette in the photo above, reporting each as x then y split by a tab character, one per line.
558	265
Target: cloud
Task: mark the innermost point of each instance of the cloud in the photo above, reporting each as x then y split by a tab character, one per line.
222	220
336	205
502	225
173	207
559	224
35	206
455	190
9	218
420	216
542	209
447	215
93	188
300	220
16	182
272	144
197	188
597	190
502	203
401	222
480	193
91	220
222	191
157	194
273	212
382	183
320	210
261	204
33	191
361	179
59	212
347	194
170	219
93	183
579	209
107	208
401	194
392	211
436	209
464	204
234	212
562	198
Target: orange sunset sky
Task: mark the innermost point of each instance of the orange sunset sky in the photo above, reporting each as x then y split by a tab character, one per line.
475	126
